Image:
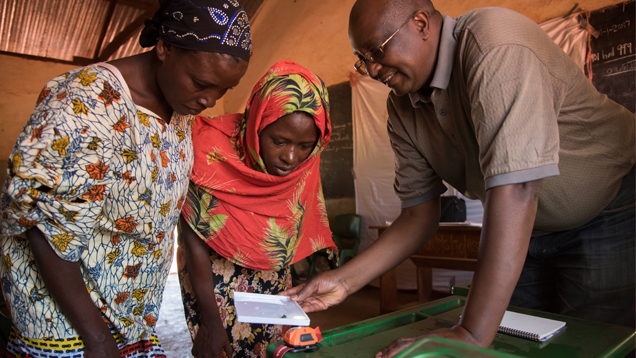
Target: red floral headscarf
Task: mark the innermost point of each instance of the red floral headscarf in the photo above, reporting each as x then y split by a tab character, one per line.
254	219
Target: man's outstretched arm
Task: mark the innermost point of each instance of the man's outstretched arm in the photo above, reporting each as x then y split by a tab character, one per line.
509	216
412	229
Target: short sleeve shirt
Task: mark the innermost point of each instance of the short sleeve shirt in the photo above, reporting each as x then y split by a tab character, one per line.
509	106
104	180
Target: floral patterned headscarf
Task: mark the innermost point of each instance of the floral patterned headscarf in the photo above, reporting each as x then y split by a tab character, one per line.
254	219
200	25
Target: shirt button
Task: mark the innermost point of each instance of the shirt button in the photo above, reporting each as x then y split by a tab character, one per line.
442	112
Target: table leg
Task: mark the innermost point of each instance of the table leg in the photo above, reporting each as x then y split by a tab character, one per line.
388	292
424	283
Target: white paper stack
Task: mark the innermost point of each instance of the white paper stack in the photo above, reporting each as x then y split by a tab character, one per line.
268	309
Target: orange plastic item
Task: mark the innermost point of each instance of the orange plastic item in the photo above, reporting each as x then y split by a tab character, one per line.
303	338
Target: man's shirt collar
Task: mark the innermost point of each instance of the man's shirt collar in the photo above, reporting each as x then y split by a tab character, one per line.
445	60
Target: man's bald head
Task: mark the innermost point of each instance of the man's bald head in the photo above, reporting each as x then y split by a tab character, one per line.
406	63
386	15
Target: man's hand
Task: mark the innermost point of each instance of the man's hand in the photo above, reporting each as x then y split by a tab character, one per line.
320	293
407	234
397	346
211	341
457	333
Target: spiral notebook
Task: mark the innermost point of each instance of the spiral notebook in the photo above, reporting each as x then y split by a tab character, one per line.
529	327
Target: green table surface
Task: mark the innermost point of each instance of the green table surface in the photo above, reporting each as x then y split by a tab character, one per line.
461	290
579	339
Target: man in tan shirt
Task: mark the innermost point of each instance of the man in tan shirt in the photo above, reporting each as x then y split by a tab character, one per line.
488	103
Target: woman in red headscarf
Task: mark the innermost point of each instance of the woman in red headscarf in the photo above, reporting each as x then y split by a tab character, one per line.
254	207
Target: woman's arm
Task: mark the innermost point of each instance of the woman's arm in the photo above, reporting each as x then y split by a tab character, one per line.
66	285
211	338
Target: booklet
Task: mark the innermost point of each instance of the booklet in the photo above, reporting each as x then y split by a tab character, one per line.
529	327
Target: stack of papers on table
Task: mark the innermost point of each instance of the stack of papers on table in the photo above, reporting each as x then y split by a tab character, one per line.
268	309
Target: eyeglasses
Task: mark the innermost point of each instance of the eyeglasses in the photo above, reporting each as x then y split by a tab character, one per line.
377	53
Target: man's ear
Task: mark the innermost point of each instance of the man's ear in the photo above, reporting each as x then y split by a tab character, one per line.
163	49
423	23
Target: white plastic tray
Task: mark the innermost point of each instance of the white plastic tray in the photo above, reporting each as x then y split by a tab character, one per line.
268	309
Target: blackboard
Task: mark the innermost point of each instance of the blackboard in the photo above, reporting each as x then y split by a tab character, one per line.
336	161
613	53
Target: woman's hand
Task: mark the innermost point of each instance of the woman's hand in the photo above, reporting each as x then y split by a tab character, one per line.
456	333
101	348
66	285
211	341
320	293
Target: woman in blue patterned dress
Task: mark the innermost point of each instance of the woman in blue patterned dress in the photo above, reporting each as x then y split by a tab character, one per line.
96	182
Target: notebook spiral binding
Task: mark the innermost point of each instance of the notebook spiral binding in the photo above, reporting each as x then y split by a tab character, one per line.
518	333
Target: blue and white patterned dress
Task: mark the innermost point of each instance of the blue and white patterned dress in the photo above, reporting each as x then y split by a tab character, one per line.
105	181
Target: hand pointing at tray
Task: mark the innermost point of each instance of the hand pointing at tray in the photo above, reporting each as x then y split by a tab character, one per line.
324	291
411	230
